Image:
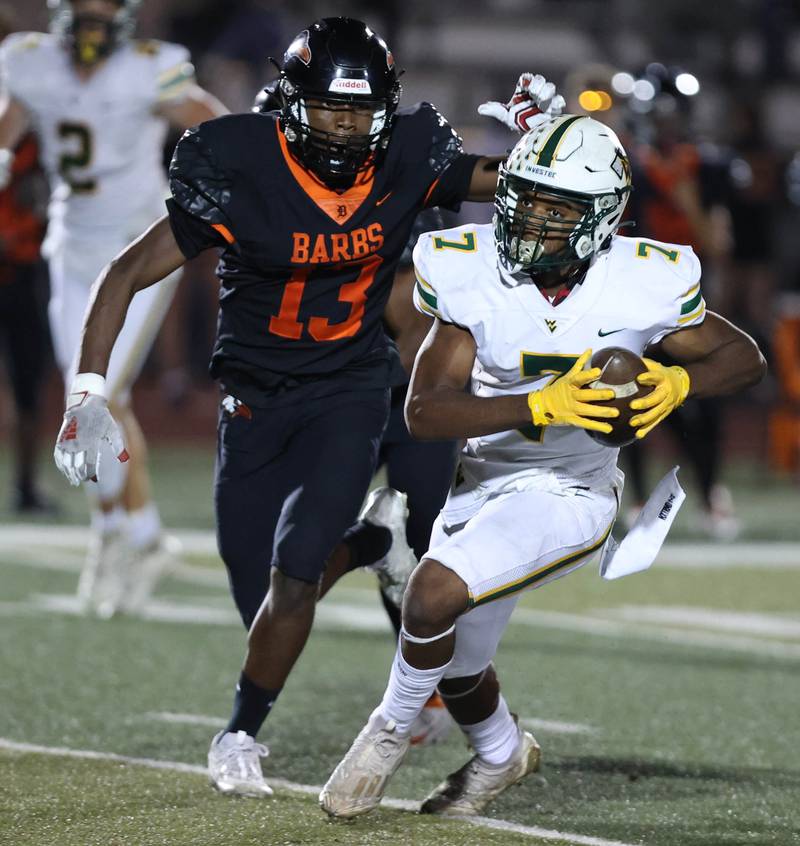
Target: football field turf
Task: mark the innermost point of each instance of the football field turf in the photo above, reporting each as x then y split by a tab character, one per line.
665	703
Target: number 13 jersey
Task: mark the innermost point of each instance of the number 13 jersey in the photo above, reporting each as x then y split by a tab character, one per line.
633	294
306	271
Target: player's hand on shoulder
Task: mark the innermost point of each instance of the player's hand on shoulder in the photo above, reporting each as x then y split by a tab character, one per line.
670	389
87	423
567	401
534	101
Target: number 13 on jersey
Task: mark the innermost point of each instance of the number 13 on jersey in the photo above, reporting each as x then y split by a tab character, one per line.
286	323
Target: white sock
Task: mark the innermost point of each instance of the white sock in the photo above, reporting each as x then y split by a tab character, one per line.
144	526
106	522
496	738
408	691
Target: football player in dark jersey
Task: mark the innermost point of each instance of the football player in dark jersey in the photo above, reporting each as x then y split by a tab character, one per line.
311	208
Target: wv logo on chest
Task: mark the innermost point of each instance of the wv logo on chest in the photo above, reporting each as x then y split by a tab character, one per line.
552	325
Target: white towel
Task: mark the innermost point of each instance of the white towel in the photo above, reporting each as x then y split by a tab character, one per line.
639	548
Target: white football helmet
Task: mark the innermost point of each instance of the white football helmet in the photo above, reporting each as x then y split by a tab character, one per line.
573	159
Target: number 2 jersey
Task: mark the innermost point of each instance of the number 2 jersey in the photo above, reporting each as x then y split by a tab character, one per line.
101	142
633	294
305	271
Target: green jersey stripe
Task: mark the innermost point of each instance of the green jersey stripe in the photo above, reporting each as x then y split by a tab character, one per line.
426	297
692	304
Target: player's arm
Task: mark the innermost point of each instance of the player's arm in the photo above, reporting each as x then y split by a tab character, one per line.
87	421
714	358
197	106
534	100
150	258
14	123
483	184
408	326
438	406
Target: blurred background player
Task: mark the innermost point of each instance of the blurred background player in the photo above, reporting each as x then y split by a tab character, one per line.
99	103
23	319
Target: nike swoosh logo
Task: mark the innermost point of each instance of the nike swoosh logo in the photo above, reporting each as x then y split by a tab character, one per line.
602	334
383	199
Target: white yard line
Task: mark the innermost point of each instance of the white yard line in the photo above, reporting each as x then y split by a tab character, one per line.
701	555
770	625
185	719
556	726
356	617
307	789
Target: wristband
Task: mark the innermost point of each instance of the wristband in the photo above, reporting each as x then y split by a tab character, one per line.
83	385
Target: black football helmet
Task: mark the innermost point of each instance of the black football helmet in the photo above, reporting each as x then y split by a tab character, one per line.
339	61
90	37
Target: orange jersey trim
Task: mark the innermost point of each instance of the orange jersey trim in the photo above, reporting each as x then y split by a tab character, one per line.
339	207
430	190
224	231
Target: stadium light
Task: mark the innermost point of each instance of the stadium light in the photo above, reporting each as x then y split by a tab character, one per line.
622	83
687	84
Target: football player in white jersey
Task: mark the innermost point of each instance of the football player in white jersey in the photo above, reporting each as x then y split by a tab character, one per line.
518	305
100	104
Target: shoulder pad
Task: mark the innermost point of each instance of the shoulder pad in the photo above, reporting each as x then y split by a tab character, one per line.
149	47
199	185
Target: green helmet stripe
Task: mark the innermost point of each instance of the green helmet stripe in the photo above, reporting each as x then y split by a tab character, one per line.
545	158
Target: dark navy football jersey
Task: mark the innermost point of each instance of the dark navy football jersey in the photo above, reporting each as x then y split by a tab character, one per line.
305	271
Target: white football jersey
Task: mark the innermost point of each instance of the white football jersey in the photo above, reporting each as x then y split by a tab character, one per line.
633	294
101	142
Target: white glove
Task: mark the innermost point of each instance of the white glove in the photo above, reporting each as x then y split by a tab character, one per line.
6	163
534	101
87	423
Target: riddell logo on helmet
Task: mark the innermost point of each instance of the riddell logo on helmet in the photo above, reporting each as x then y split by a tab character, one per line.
347	85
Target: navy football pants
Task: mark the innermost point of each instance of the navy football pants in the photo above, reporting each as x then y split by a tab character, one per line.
422	470
289	482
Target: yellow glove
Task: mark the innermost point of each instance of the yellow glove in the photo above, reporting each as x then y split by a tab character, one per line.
671	387
565	401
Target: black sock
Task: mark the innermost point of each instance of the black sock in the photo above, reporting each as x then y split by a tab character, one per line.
393	613
251	706
367	543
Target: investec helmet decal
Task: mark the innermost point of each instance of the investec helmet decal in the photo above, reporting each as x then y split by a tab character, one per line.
570	159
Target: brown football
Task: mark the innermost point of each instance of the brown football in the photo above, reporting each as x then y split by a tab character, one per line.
619	368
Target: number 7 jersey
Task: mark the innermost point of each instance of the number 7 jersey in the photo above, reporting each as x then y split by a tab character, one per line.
633	294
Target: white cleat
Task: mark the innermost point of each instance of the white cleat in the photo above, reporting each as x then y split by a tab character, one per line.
234	764
357	784
387	507
104	575
433	724
147	567
466	792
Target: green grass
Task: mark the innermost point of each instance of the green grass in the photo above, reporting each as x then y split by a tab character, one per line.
691	744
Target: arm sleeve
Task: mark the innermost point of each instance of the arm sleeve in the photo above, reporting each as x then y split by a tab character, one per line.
201	191
442	153
451	188
684	302
174	73
192	234
426	298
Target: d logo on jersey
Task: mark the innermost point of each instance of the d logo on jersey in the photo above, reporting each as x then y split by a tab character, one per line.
299	48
